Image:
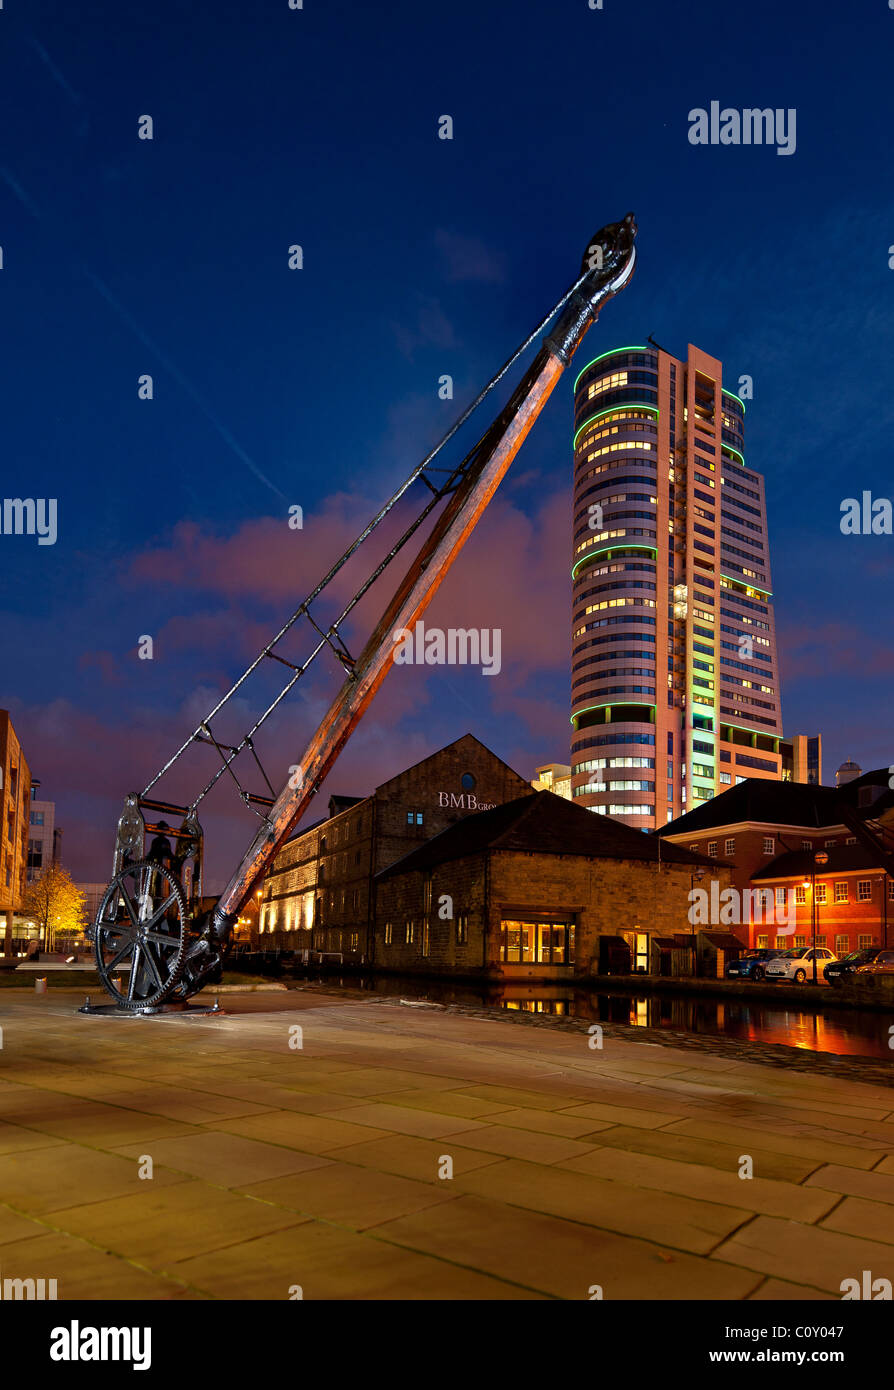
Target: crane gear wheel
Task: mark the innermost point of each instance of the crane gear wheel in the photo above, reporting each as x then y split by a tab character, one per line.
143	923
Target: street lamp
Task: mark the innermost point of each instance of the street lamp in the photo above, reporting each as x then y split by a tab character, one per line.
883	910
699	875
820	857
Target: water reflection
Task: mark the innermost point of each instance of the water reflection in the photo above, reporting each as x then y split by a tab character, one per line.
847	1032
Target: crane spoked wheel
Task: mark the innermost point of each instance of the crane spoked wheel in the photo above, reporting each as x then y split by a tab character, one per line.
140	936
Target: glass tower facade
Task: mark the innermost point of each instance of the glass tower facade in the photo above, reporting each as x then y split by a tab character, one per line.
674	680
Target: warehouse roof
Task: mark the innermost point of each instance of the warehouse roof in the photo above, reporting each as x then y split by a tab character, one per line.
542	823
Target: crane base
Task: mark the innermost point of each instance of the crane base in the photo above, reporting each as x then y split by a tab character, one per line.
113	1011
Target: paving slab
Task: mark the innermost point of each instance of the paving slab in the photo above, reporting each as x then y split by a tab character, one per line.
817	1148
792	1251
228	1160
855	1182
780	1290
411	1157
15	1228
860	1216
554	1122
709	1184
14	1137
516	1142
445	1103
348	1195
161	1225
698	1150
562	1258
327	1263
46	1180
684	1223
326	1166
315	1134
83	1272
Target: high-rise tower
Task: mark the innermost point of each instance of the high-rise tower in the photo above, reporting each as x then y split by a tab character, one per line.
674	681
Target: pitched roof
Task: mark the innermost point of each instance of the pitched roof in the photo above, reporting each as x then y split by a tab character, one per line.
799	863
764	800
768	802
723	940
466	741
541	823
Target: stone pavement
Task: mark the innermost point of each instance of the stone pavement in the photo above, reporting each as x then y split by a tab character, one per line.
325	1166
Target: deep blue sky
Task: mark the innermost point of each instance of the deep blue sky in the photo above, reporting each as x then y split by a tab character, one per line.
422	257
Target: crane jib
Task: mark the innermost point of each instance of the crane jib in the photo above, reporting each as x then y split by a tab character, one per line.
156	940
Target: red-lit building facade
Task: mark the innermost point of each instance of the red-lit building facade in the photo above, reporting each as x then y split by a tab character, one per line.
831	848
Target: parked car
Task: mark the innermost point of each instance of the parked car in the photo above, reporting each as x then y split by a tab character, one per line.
882	965
797	963
751	965
840	970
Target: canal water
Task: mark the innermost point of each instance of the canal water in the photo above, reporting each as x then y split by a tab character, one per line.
848	1032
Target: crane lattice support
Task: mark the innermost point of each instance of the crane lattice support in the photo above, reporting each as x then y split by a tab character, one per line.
155	942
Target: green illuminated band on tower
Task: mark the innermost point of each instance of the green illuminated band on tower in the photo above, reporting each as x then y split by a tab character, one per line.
728	448
735	398
613	353
607	704
625	405
607	550
745	584
777	738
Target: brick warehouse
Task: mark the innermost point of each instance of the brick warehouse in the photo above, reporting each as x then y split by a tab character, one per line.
319	894
537	888
773	831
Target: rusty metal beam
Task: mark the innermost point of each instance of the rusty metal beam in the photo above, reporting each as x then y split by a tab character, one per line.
608	266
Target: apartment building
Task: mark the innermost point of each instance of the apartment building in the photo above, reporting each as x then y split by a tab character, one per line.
674	682
15	803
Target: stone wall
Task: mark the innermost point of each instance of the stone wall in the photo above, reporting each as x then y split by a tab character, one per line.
603	897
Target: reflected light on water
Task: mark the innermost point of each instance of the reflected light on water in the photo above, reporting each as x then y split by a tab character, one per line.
846	1032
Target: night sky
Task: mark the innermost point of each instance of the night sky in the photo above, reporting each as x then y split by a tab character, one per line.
319	387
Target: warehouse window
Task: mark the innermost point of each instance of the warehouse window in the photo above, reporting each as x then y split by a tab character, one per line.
536	943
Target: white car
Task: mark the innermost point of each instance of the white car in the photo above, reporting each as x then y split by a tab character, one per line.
797	964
